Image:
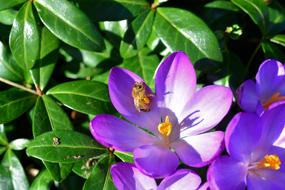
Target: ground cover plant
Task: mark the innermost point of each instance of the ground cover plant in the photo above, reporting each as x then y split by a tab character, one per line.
142	94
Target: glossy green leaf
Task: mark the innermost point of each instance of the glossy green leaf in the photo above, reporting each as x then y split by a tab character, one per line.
13	103
137	34
48	55
64	147
102	10
3	137
84	168
58	171
256	10
114	31
144	64
6	4
95	59
69	24
181	30
19	144
278	39
224	5
14	171
88	97
8	69
276	18
7	16
124	156
48	115
100	177
2	150
273	51
42	181
24	37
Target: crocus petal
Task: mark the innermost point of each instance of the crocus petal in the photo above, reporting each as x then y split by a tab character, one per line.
127	177
226	173
205	110
121	82
182	179
199	150
266	179
118	134
205	186
155	160
247	96
272	125
242	135
175	82
268	78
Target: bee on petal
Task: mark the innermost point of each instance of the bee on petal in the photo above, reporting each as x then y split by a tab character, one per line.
142	99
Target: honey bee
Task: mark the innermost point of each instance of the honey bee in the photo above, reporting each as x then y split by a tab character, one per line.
142	99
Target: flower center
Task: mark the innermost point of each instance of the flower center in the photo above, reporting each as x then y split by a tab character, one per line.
165	127
274	98
271	161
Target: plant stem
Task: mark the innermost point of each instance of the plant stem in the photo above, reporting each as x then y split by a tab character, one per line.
18	86
252	57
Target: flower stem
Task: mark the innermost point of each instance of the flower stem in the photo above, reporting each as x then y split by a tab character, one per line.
18	86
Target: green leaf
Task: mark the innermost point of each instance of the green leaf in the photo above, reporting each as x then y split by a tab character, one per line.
100	177
69	24
124	156
256	10
3	137
24	37
6	4
144	64
137	34
14	171
278	39
8	69
48	56
114	31
273	51
102	10
276	18
2	150
42	181
7	16
221	4
58	171
19	144
88	97
48	115
13	103
64	147
84	167
182	30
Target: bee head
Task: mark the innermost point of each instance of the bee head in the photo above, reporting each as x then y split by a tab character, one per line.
139	85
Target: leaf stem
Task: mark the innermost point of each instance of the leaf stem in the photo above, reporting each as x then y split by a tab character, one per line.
18	86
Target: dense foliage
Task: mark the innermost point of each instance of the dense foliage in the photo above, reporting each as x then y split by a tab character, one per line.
55	58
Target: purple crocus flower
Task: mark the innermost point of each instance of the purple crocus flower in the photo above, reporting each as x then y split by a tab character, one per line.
127	177
268	89
254	160
169	124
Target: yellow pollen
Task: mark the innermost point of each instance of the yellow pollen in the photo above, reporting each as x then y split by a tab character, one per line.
271	161
165	127
274	98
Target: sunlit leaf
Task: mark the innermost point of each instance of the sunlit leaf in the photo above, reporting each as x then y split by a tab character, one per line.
69	24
